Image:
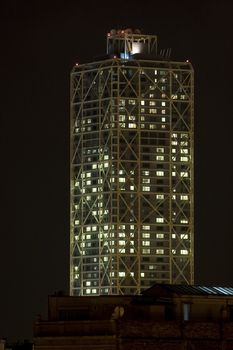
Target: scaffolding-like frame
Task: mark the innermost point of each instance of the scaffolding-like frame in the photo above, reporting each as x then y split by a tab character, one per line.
110	259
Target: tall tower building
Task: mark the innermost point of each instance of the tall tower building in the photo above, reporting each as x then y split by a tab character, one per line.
131	169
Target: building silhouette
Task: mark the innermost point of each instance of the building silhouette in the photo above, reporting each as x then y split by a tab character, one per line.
131	169
162	317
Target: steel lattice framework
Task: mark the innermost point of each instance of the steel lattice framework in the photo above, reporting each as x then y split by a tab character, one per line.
131	175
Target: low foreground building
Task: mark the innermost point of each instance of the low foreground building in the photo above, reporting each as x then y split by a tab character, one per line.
169	317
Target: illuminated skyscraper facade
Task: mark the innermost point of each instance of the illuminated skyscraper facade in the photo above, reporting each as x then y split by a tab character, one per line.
131	169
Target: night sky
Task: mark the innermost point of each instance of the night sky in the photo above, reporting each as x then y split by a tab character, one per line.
40	42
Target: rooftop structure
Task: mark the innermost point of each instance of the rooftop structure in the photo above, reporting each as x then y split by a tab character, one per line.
163	317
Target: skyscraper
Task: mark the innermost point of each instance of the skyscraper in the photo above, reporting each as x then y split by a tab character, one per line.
131	169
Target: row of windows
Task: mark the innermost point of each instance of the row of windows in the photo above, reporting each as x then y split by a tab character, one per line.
183	236
94	228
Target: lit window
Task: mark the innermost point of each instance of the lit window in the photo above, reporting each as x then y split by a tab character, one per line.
142	274
156	72
88	284
121	179
163	104
174	143
159	235
160	173
159	157
132	102
160	220
132	125
184	221
146	251
152	103
163	120
94	166
122	274
184	136
184	252
121	242
121	118
146	243
183	236
163	111
159	196
173	150
131	188
174	97
160	149
174	236
159	251
88	182
152	126
184	159
184	151
146	181
142	118
131	250
146	188
88	291
146	235
152	110
94	189
184	197
94	291
146	227
145	172
184	174
143	103
132	117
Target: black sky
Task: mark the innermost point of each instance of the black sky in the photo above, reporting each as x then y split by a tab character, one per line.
40	42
